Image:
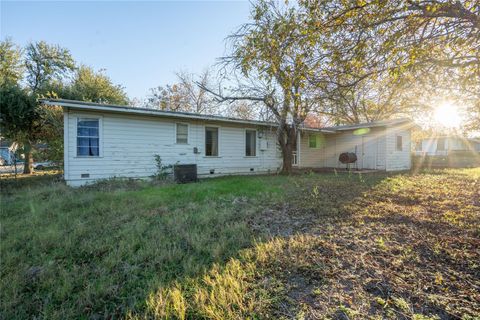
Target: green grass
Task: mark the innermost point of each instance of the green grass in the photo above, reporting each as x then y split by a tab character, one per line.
261	247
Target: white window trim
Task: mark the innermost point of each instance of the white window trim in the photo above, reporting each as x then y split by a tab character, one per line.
245	143
100	135
188	133
219	154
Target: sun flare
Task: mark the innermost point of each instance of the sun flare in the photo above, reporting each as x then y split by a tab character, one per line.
447	115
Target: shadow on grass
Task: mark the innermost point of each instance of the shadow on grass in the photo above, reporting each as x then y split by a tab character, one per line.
240	286
233	247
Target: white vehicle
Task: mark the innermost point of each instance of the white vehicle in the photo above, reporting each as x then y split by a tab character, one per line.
42	165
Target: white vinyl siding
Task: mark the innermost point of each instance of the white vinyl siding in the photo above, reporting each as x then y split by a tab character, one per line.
370	149
398	159
130	143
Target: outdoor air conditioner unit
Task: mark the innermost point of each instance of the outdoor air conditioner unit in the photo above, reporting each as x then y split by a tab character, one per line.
184	173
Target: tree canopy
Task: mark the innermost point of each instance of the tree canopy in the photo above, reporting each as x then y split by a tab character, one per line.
44	70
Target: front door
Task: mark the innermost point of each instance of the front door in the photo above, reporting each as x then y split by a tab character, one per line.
369	152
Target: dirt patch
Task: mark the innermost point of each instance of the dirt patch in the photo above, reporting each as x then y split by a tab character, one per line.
405	248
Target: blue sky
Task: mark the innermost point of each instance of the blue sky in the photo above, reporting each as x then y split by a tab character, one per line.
140	44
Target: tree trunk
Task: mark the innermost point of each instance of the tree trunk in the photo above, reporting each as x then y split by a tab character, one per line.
287	139
28	166
287	159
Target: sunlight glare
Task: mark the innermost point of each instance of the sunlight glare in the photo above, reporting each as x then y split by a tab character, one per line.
447	115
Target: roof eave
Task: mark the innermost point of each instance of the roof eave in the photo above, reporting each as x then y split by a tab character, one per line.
146	112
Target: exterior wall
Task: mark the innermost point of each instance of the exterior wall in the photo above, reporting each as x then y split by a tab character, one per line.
396	159
311	157
128	144
370	149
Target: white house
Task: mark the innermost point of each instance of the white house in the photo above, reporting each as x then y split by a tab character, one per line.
444	145
104	141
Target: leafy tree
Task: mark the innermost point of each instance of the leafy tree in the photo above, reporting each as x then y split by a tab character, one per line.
19	118
367	40
86	85
89	85
23	120
274	49
45	63
11	67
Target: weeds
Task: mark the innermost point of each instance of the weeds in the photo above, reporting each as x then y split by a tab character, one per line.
163	171
310	246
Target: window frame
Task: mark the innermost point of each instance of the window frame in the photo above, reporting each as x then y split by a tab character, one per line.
401	142
176	131
100	135
317	145
256	142
205	141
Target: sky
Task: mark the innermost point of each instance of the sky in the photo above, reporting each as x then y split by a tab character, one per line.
140	44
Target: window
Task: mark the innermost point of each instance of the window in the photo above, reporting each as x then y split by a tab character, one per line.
88	137
399	143
182	133
211	141
441	144
250	143
314	141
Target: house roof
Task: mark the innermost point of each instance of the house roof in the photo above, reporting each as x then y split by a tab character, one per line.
82	105
373	124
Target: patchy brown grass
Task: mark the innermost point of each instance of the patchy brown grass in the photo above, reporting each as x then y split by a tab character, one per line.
409	247
310	246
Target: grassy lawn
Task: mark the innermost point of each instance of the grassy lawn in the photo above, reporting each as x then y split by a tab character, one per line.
310	246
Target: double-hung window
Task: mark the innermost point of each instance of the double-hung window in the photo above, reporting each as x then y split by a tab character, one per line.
211	141
182	133
88	137
250	143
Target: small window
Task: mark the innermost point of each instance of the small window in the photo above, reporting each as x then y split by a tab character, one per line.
314	141
399	143
441	144
88	139
211	141
182	133
250	143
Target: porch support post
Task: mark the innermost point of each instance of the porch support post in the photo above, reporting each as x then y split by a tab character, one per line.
299	140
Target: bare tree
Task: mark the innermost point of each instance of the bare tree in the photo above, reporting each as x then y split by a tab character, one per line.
273	51
185	95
